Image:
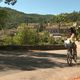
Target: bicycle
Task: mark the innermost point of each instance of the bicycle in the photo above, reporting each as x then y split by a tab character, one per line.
71	54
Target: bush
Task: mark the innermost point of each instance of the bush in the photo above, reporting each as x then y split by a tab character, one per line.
29	36
43	38
78	32
25	35
56	40
8	40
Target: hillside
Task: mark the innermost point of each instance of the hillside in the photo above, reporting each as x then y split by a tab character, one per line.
15	17
10	18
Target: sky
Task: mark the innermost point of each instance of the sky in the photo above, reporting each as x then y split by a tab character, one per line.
45	6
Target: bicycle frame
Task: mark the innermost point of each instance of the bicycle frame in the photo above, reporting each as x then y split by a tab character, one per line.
71	55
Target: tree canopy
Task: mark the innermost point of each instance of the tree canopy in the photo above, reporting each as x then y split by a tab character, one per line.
12	2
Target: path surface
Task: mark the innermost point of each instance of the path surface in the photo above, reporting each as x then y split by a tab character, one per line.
38	65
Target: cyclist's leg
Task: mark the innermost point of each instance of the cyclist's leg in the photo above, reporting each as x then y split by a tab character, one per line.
75	48
69	56
70	51
75	52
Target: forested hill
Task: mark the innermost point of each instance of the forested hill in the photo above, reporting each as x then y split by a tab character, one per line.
10	18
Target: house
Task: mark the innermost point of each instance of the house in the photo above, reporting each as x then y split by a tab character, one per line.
56	30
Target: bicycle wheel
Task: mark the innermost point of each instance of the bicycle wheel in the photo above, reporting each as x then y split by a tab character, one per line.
75	58
69	58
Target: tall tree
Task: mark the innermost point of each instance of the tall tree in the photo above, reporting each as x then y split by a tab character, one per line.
3	18
12	2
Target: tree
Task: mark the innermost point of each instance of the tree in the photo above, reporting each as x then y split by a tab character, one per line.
12	2
3	18
73	17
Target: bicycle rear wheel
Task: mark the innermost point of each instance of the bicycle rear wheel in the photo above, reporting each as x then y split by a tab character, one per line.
69	59
75	58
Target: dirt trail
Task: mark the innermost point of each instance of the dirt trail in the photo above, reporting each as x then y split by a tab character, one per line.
44	65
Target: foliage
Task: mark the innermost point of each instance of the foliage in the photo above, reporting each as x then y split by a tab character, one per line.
12	2
15	18
43	38
8	40
29	36
59	41
53	40
25	35
3	18
10	18
78	32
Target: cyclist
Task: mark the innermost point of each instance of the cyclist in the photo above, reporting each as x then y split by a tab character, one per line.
73	38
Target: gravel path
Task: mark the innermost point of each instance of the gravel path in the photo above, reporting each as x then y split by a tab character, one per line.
39	65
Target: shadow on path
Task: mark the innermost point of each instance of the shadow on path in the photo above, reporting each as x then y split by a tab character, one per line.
45	54
30	60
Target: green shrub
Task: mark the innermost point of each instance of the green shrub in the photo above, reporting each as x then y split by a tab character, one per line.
25	35
8	40
56	40
43	38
